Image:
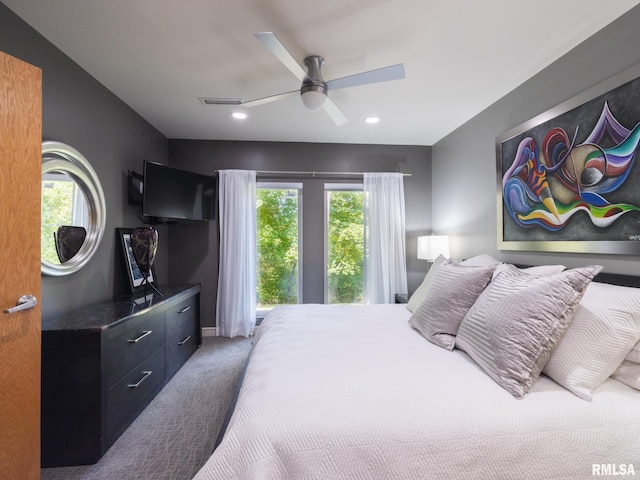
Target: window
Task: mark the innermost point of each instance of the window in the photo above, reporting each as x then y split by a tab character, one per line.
344	225
65	204
278	244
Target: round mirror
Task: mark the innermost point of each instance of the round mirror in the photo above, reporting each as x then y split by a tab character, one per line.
73	210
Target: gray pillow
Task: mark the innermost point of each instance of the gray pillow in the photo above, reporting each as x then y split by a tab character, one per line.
513	326
418	295
447	299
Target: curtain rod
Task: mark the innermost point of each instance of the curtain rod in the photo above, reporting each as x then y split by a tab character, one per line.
275	173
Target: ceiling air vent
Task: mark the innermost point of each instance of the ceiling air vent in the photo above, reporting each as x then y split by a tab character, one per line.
220	101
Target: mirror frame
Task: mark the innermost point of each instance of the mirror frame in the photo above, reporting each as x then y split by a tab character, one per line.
61	158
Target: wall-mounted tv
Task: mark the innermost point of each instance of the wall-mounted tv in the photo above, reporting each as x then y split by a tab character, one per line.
172	193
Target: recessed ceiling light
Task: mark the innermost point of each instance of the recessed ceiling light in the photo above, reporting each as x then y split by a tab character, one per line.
239	115
372	120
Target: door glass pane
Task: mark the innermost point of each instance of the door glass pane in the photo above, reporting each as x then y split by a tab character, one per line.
277	242
345	247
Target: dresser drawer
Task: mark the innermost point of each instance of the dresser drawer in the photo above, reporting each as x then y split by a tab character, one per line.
183	311
182	334
181	346
127	398
129	344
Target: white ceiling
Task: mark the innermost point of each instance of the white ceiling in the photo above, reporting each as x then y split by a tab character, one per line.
460	56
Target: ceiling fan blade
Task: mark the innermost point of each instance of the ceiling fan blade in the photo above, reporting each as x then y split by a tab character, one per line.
334	112
276	47
384	74
270	98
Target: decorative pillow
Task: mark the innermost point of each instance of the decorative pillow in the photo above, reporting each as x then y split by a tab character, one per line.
418	295
604	329
518	319
483	260
544	269
629	374
634	354
447	299
539	270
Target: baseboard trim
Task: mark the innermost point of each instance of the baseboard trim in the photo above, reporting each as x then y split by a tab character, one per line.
209	331
213	331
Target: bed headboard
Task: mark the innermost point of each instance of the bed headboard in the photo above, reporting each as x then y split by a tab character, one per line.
618	279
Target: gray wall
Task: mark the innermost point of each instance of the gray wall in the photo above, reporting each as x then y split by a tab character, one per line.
458	173
194	245
79	111
464	163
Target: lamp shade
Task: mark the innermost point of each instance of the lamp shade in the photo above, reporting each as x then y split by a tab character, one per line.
430	246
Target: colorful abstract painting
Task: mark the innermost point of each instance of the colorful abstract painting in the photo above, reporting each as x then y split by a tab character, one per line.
571	181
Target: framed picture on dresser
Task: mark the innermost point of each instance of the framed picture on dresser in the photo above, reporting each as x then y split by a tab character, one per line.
134	274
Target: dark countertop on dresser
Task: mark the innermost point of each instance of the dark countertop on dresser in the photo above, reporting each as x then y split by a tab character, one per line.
102	316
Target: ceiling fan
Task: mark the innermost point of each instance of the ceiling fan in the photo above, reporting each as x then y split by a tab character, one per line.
314	88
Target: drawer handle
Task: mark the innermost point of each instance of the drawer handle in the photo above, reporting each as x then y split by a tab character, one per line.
185	309
136	340
145	375
184	341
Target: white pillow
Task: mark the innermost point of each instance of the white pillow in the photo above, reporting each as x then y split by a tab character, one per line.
604	329
418	295
483	260
634	354
629	374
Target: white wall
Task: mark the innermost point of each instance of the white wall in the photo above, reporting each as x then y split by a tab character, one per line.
464	163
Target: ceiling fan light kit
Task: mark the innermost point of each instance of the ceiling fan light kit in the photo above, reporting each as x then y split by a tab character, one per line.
313	96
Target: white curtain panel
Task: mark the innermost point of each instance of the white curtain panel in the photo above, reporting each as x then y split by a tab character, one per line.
385	259
236	305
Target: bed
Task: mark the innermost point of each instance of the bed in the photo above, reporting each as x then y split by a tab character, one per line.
358	392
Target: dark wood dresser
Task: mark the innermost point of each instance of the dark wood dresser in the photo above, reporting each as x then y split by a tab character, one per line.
103	364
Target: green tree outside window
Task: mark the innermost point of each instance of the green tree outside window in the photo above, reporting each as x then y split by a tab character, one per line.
277	238
57	200
345	247
277	247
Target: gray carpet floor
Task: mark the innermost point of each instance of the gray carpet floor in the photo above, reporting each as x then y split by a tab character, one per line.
175	435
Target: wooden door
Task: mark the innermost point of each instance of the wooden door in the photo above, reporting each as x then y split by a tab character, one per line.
20	167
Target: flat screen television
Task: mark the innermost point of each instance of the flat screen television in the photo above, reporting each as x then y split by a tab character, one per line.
172	193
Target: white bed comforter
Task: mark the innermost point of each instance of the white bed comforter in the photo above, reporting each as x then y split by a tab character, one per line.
353	392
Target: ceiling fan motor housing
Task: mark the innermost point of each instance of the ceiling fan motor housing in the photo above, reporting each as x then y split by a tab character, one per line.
314	89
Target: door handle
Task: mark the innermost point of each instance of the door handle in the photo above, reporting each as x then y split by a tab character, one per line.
25	302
